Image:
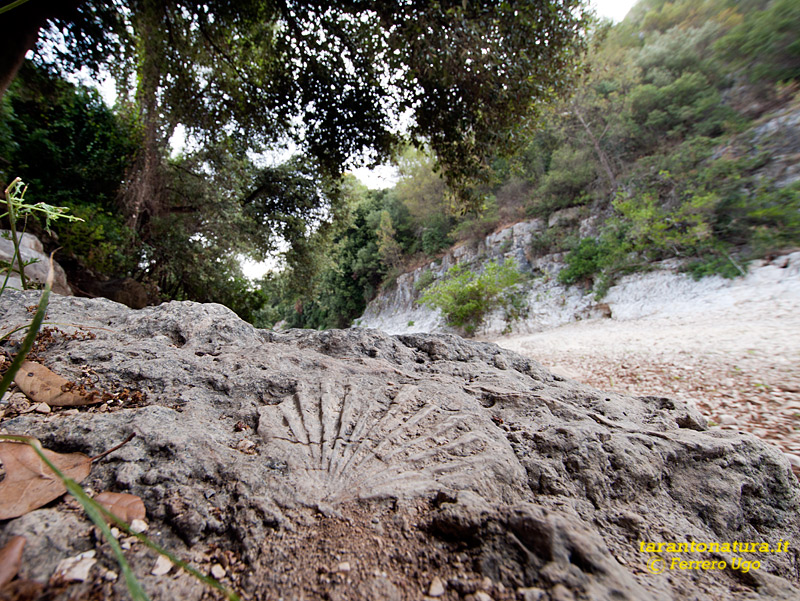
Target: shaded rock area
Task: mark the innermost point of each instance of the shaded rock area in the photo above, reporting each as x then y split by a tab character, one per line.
357	465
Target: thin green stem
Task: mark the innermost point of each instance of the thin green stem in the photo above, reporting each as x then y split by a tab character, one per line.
30	337
101	513
14	197
12	6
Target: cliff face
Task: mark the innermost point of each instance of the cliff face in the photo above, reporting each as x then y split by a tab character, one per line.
775	138
396	309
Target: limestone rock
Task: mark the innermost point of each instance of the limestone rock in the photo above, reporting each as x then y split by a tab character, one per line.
402	456
31	249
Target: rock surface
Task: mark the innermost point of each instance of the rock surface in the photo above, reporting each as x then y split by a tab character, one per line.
277	458
31	250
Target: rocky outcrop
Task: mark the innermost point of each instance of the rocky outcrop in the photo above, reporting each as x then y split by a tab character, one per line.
663	290
396	310
357	465
31	250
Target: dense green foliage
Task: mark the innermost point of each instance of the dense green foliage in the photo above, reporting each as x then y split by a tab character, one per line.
340	85
657	140
465	297
73	151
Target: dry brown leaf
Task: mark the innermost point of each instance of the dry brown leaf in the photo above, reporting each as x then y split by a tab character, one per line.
22	590
43	386
11	559
29	483
125	506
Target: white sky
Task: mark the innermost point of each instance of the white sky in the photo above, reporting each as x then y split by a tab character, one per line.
613	9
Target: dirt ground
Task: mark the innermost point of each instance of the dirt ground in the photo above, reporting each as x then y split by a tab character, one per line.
740	364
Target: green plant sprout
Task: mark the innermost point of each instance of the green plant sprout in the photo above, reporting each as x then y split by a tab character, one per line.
17	209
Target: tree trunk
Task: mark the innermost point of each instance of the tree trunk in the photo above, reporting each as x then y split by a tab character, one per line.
601	155
144	192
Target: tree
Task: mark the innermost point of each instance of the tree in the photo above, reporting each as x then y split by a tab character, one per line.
469	73
390	251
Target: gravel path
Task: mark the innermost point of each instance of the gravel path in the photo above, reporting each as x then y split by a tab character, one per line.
734	352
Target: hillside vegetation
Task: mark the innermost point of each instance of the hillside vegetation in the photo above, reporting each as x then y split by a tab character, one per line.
657	143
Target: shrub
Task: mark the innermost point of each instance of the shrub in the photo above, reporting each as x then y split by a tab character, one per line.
435	236
584	261
424	280
466	297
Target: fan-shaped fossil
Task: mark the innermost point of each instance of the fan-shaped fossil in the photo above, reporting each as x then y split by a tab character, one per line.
349	442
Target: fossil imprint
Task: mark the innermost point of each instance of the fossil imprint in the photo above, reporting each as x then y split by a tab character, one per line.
356	442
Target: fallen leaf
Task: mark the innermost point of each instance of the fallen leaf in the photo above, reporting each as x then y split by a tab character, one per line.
44	386
125	506
11	559
29	483
22	590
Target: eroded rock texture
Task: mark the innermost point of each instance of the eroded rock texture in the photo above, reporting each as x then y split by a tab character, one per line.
357	465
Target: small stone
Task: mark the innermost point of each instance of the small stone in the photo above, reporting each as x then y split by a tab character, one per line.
76	569
115	532
139	526
42	408
437	588
727	420
162	566
487	583
530	594
343	567
245	446
108	575
561	593
217	571
481	596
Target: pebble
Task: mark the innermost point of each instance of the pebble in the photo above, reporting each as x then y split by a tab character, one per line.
162	566
437	588
42	408
76	569
530	594
343	567
139	526
245	445
217	571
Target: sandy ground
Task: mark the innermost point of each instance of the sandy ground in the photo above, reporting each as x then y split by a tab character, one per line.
737	360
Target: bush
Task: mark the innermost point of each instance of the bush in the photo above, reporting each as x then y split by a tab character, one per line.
584	261
435	236
424	280
714	265
466	297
